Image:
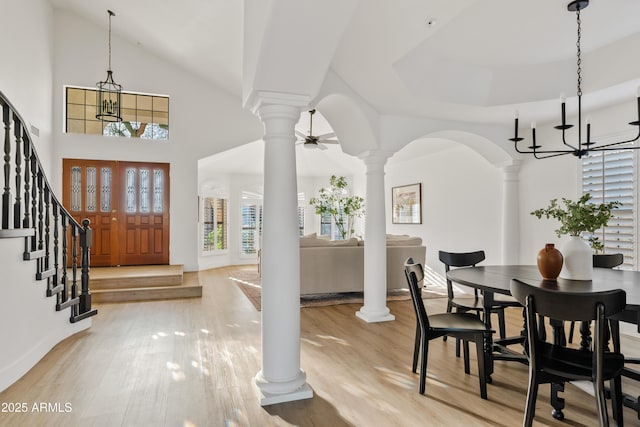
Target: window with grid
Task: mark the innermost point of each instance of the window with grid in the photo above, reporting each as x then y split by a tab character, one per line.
610	176
252	222
301	211
251	227
328	226
214	224
325	224
143	115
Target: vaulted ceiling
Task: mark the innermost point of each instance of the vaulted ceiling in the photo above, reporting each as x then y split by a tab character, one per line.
469	60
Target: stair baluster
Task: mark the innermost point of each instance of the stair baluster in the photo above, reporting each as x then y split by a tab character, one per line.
17	206
6	194
37	215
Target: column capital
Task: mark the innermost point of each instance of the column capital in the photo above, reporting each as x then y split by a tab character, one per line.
510	169
259	99
375	159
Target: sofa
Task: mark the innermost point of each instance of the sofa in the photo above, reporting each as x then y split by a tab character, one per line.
328	266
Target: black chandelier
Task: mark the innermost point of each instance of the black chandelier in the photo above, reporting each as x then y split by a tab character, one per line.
108	105
583	148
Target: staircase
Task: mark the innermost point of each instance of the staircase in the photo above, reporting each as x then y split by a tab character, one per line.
143	283
53	239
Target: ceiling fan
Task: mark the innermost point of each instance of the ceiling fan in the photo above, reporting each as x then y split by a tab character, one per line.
311	141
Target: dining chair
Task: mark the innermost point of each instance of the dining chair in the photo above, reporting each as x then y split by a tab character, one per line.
600	261
465	326
551	363
475	303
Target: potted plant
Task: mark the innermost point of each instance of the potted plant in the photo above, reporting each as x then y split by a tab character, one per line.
342	207
582	216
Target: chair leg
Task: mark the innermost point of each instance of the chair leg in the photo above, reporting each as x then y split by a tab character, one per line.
532	395
449	308
571	328
482	377
423	364
465	346
501	323
601	403
616	400
416	348
457	347
614	327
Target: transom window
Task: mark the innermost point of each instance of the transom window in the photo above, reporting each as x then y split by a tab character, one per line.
143	115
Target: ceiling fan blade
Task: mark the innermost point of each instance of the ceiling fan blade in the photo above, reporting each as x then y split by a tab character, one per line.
300	134
327	135
328	141
321	147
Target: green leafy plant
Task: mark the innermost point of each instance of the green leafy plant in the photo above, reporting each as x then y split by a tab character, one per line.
580	216
339	205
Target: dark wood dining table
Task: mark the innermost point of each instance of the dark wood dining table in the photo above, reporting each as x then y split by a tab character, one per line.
496	279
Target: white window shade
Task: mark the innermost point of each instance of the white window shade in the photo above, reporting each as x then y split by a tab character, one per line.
609	176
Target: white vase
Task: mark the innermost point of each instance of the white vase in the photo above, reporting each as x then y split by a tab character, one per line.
578	260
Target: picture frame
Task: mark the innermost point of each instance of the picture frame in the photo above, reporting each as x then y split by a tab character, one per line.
406	204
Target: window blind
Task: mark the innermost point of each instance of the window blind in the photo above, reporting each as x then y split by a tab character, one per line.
609	176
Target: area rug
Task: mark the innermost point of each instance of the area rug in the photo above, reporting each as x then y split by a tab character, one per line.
249	282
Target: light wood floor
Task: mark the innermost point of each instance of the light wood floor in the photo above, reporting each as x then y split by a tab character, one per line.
191	363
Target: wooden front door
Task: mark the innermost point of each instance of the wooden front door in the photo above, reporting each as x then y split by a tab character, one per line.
128	206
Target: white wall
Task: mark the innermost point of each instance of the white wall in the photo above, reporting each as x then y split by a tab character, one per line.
31	326
203	119
461	202
26	44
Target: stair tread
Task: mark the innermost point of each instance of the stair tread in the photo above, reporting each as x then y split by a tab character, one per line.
102	273
105	278
145	288
189	290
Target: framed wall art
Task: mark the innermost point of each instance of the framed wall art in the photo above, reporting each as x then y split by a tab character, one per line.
406	204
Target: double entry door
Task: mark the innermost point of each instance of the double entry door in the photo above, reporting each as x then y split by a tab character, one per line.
128	206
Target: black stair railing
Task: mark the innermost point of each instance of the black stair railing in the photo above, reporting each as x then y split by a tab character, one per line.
58	244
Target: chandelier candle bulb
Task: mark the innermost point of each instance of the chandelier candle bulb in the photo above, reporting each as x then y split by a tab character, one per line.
533	125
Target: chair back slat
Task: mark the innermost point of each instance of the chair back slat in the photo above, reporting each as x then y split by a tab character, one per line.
460	259
562	305
607	260
415	276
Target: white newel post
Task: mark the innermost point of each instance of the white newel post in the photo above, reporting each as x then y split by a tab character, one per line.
281	379
375	249
511	214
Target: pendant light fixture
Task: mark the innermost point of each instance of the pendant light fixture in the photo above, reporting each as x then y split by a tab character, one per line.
581	148
109	92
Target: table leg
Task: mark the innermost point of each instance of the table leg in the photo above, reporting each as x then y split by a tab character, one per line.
585	335
559	337
557	402
488	301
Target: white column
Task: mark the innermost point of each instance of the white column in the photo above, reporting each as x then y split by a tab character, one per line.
375	248
281	379
511	214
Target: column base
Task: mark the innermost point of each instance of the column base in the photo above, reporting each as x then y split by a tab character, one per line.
370	316
270	393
